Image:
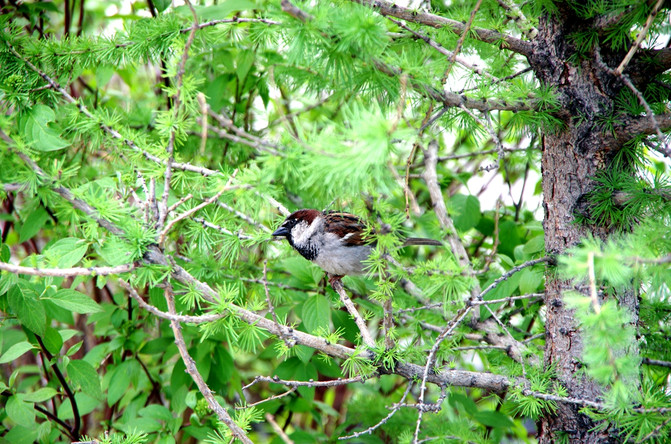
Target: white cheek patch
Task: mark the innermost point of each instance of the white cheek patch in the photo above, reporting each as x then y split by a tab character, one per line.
302	232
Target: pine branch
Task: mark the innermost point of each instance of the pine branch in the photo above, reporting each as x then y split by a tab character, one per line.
412	15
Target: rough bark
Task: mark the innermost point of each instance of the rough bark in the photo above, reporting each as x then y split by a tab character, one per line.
570	159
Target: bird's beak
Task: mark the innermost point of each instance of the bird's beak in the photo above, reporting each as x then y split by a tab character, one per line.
281	231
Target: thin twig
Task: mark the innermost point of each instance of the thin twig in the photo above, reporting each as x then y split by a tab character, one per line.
384	420
358	320
460	43
187	319
281	433
310	383
176	103
65	272
271	398
221	229
441	49
192	370
188	213
639	38
431	359
290	342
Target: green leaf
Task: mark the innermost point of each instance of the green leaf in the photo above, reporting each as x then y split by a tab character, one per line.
21	435
38	131
75	301
20	412
245	62
534	245
119	383
34	223
40	395
530	280
466	211
156	411
162	5
52	340
85	376
15	351
67	252
5	253
25	305
316	312
223	9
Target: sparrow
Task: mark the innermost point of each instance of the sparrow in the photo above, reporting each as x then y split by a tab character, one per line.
335	241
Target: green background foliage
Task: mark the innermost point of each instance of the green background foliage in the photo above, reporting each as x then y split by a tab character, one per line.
318	113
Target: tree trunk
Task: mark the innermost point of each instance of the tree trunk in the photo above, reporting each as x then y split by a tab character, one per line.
571	158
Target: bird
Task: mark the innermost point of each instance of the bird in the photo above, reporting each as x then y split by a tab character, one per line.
337	242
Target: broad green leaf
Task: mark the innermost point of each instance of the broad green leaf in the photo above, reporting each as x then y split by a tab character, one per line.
21	435
25	305
40	395
85	404
5	253
15	351
52	340
245	62
162	5
20	411
530	280
534	245
466	210
34	223
67	252
7	281
37	129
85	376
118	384
156	411
316	312
75	301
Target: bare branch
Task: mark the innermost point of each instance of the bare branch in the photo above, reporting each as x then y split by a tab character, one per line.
221	229
412	15
281	395
65	272
176	103
231	20
281	433
460	42
201	319
310	383
285	337
452	56
639	38
192	370
336	283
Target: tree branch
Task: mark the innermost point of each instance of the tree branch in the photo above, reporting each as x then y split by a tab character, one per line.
65	272
435	21
191	368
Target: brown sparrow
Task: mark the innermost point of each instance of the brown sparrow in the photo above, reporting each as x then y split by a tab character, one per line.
333	240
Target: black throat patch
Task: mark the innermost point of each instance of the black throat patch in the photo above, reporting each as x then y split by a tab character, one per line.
308	251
